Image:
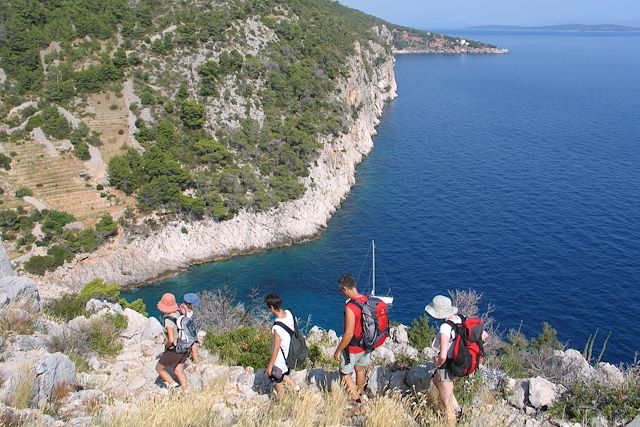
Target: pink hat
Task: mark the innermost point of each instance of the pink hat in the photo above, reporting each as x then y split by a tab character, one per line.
167	304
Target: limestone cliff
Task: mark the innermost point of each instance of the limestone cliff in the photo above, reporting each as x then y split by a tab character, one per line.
170	249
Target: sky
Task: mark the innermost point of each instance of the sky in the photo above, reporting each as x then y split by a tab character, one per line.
463	13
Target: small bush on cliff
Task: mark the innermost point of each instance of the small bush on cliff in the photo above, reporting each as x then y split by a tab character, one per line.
66	308
73	305
421	333
220	311
522	358
103	335
245	346
584	401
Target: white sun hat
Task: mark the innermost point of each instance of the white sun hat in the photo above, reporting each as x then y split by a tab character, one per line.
440	307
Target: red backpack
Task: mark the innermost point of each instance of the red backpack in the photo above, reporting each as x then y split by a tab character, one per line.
375	323
468	349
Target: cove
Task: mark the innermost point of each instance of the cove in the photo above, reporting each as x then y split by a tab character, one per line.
514	175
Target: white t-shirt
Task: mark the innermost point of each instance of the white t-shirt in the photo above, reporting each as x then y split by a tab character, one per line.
447	330
285	339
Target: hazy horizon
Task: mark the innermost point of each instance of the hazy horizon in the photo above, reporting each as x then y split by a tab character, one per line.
468	13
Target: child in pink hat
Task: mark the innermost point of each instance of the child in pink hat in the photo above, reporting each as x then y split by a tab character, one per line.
170	359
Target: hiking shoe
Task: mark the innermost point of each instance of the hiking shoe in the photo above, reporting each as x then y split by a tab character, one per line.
458	414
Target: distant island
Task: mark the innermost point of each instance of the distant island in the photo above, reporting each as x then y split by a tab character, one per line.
564	27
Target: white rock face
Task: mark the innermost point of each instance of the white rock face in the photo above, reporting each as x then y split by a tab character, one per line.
542	392
52	370
399	334
518	392
5	264
333	175
19	291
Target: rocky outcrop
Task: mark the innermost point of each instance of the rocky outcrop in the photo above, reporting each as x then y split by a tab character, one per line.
170	249
53	370
5	264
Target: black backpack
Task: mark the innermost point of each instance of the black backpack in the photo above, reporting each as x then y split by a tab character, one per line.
297	347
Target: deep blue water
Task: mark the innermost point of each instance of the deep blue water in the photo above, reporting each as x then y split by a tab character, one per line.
515	175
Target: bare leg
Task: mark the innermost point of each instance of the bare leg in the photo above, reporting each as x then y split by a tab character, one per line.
182	378
361	377
445	389
195	354
162	371
350	385
279	389
291	383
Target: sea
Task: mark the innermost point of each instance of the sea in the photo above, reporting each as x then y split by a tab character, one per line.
516	176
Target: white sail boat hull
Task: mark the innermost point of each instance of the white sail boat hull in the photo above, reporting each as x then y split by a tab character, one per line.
386	299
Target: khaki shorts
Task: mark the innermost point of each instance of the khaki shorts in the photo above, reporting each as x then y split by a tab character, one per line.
362	359
443	375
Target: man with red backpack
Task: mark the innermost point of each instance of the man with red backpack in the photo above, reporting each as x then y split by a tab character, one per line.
460	341
366	326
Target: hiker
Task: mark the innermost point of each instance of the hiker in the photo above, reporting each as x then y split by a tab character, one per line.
191	300
442	309
351	356
277	369
171	359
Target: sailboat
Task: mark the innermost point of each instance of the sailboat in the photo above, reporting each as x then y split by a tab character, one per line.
387	299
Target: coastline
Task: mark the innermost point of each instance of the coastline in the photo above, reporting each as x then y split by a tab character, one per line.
169	251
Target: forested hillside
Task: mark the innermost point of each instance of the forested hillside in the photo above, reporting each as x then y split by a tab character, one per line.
163	109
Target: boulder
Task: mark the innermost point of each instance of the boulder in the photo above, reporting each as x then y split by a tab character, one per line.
610	375
419	377
52	370
518	392
152	329
542	393
73	227
379	379
383	355
136	323
19	291
103	307
396	382
635	422
400	335
5	264
574	365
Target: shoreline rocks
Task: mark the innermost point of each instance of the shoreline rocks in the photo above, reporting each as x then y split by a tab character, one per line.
330	179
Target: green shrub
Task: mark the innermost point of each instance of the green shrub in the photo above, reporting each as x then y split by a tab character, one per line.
317	359
583	402
106	227
103	334
136	305
66	308
22	192
245	346
5	162
421	333
100	290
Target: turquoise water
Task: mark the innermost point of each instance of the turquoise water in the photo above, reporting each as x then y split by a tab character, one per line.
515	175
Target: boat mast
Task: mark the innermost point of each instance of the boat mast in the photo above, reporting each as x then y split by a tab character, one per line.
373	250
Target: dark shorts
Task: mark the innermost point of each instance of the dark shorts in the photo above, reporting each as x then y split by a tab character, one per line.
171	359
277	375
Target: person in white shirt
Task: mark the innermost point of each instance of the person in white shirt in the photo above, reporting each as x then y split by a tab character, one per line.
442	309
277	369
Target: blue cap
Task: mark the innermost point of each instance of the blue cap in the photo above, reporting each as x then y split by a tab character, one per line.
191	299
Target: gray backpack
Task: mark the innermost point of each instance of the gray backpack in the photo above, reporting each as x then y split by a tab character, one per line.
187	333
297	347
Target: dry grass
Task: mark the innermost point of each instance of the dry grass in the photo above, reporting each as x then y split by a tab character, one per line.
21	391
307	408
17	321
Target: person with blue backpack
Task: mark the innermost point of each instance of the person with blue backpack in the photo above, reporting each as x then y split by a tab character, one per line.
181	334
